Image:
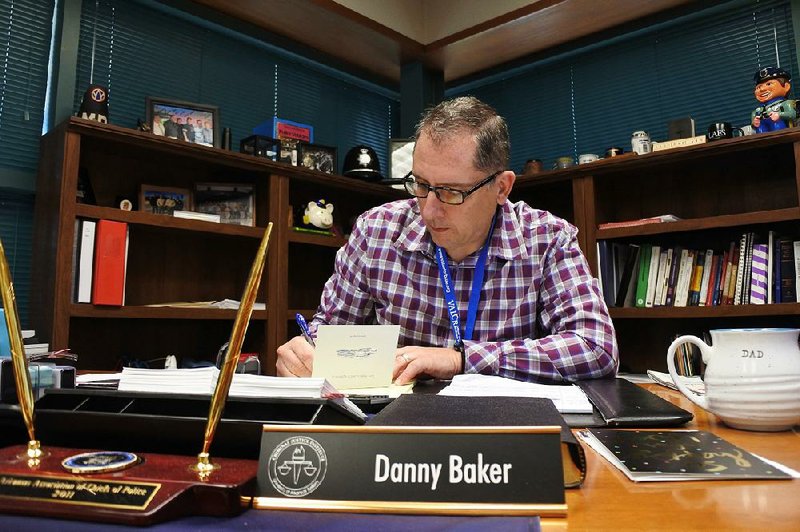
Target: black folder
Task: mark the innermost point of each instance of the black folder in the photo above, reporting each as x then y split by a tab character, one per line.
437	410
621	403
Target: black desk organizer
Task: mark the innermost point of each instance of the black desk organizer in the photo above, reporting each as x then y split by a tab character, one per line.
169	423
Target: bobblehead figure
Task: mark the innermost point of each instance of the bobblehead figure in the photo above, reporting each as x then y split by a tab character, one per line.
776	111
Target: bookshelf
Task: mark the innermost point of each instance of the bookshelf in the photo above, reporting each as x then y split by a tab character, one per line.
172	259
718	190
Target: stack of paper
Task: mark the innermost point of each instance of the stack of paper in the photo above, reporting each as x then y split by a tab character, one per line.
202	381
694	383
187	380
568	399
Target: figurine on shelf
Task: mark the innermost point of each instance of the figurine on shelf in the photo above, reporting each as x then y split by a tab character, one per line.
318	215
776	111
94	105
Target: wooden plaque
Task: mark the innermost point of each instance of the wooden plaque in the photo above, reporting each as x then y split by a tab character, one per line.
159	488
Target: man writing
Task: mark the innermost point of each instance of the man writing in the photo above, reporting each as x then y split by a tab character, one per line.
477	284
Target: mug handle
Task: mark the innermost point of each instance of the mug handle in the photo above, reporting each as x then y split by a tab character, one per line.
705	349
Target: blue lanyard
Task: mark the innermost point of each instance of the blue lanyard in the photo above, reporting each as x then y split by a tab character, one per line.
475	294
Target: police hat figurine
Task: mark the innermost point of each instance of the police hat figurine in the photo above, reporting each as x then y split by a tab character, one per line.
362	162
775	111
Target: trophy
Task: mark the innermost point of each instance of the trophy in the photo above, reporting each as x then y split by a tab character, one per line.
115	486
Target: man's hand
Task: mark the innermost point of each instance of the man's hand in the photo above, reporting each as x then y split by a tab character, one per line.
436	362
295	358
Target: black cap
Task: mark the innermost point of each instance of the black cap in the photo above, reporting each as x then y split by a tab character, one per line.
763	74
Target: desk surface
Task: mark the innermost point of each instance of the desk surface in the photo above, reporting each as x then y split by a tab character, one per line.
609	501
606	501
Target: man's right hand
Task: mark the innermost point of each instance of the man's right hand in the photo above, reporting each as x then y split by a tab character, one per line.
295	358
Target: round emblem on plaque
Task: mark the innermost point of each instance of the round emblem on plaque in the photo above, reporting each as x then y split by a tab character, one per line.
297	466
99	462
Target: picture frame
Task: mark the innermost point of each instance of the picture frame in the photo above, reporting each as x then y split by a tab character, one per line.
233	202
170	118
164	200
317	157
401	157
260	146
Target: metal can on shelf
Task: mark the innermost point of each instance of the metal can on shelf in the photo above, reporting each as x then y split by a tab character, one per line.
640	142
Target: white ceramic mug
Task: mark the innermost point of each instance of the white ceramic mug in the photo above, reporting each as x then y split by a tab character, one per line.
752	377
587	158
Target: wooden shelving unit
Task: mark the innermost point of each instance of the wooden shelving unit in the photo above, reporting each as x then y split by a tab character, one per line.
172	259
719	190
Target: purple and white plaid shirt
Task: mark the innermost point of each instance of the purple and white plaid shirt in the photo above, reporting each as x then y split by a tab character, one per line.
541	316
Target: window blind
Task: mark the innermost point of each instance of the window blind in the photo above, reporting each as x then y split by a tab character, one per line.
25	31
140	51
16	233
699	65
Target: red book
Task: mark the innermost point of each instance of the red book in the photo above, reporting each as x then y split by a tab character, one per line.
111	248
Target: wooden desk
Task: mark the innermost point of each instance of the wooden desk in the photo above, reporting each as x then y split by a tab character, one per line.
609	501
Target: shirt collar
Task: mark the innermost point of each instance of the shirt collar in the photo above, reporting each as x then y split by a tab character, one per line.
507	240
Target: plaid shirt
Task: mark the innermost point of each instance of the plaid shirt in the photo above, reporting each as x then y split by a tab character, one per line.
541	316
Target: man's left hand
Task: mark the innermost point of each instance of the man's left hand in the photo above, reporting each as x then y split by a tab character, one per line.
437	362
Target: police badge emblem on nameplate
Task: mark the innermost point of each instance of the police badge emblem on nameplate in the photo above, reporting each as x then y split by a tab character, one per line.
99	462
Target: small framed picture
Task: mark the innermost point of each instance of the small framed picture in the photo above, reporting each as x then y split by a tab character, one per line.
164	200
189	122
401	156
234	203
317	157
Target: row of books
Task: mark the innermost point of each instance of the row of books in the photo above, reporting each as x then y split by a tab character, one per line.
751	270
100	256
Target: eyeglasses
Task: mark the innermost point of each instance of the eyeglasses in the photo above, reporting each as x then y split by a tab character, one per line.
448	195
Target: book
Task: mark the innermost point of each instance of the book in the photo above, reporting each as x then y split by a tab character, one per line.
655	257
678	455
641	221
85	261
708	266
787	266
796	248
737	295
685	272
605	271
759	287
109	263
664	266
770	267
643	275
628	276
672	280
693	298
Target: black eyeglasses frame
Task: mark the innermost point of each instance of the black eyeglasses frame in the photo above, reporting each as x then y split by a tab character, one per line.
409	181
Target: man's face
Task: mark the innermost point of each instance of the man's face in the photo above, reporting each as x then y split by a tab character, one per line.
771	88
459	229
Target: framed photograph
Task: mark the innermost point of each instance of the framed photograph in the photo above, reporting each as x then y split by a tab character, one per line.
317	157
289	151
190	122
261	146
234	203
401	152
164	200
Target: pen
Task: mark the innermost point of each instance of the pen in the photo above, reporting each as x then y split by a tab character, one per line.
301	322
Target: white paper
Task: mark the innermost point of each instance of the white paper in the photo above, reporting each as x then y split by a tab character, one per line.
568	399
356	356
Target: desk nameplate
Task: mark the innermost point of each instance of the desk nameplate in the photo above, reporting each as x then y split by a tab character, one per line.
428	470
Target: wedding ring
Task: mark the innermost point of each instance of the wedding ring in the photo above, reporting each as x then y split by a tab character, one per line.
405	357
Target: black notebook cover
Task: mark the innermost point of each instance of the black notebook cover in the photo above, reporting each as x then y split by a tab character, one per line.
622	403
432	410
